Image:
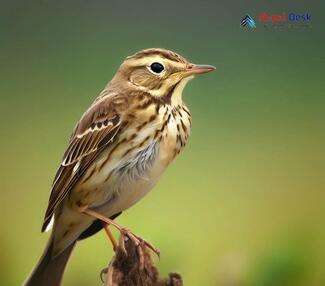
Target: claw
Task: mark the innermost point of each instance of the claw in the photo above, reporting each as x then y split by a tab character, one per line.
139	242
147	244
122	244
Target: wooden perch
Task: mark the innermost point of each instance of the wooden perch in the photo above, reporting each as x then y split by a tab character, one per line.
135	268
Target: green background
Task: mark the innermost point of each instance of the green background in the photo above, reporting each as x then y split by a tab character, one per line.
243	204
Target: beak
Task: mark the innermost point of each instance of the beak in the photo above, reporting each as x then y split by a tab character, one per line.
193	69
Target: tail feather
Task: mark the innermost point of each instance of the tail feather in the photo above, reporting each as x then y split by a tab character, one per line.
49	270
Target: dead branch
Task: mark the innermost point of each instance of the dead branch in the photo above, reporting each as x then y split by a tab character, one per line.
135	268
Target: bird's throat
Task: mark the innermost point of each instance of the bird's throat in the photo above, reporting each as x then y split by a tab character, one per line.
176	96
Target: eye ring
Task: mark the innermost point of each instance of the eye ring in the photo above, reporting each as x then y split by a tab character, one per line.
156	67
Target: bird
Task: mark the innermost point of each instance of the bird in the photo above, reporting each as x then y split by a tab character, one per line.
117	152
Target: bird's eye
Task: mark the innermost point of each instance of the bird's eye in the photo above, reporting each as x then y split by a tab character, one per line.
157	67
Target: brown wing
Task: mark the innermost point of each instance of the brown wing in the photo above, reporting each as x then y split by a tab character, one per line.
96	129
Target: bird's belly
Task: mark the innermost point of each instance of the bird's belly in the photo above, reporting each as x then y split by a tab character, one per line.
128	194
132	186
120	187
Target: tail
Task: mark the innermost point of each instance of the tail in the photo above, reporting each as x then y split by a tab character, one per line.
49	270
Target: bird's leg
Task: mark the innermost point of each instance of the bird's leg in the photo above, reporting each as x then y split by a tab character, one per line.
138	241
110	235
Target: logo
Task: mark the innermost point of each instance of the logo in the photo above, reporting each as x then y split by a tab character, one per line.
283	17
279	21
248	21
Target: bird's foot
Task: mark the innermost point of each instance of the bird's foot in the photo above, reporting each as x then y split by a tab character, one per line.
137	240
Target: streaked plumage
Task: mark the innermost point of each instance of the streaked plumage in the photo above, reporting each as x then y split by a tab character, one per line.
119	148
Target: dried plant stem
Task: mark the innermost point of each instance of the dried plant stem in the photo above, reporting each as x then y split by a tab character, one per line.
135	268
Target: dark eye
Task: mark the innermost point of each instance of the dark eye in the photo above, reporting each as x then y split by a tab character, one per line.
157	67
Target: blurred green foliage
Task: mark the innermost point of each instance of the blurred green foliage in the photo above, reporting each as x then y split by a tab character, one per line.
251	176
283	266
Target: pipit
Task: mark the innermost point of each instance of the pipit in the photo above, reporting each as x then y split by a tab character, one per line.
118	150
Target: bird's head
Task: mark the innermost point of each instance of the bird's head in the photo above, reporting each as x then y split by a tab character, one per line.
158	71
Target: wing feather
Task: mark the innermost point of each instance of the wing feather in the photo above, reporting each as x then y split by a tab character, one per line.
96	129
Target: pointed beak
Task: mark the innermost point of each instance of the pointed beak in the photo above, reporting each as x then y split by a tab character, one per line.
193	69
